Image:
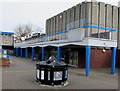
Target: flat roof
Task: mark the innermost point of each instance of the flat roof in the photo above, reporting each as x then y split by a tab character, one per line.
6	33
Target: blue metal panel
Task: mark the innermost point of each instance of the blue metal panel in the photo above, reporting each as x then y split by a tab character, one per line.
32	53
59	53
43	54
113	68
88	52
6	33
26	52
21	52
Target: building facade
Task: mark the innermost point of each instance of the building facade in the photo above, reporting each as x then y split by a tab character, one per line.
6	44
84	35
118	51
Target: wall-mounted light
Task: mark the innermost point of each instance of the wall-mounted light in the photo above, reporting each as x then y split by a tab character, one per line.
103	50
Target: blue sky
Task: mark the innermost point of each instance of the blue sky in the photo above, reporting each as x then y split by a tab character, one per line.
15	12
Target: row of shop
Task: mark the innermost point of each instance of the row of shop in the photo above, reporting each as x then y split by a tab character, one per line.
77	56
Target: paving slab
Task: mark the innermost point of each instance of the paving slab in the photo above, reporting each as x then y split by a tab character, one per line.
21	75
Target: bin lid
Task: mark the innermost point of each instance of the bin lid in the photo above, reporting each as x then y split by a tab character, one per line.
52	61
57	63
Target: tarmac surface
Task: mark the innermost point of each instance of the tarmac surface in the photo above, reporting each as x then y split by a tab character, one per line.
21	75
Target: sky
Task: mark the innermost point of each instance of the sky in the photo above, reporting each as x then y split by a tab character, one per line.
16	12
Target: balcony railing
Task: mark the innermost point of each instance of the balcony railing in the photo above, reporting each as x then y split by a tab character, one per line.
46	38
75	31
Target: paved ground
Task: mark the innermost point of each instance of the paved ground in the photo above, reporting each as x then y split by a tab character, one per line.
21	75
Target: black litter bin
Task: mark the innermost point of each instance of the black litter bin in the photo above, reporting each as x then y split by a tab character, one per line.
51	72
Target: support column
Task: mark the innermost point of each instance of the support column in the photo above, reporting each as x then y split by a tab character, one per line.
88	52
14	51
32	53
59	53
43	54
113	63
21	52
18	52
26	52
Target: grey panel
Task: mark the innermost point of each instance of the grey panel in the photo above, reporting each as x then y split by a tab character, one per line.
119	39
101	16
68	15
94	17
57	23
47	24
88	18
83	17
115	17
72	14
54	24
71	18
60	22
77	16
68	18
52	20
108	20
119	17
49	27
72	23
83	9
88	13
119	31
64	20
114	22
83	14
46	29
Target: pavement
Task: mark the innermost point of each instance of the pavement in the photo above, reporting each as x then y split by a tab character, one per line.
21	75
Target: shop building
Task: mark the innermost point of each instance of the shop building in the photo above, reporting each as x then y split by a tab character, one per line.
83	36
6	44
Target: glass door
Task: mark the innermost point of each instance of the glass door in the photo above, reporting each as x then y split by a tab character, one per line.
73	59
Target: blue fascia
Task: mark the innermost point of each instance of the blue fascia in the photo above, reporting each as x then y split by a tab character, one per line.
6	33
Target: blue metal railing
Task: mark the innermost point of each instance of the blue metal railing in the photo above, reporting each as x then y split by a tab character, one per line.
84	25
44	36
110	29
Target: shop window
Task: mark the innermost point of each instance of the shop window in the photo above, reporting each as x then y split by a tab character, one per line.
73	59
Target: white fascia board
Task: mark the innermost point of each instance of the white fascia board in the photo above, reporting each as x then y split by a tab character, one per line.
102	43
85	42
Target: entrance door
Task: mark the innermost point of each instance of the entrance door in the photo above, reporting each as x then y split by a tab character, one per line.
73	58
